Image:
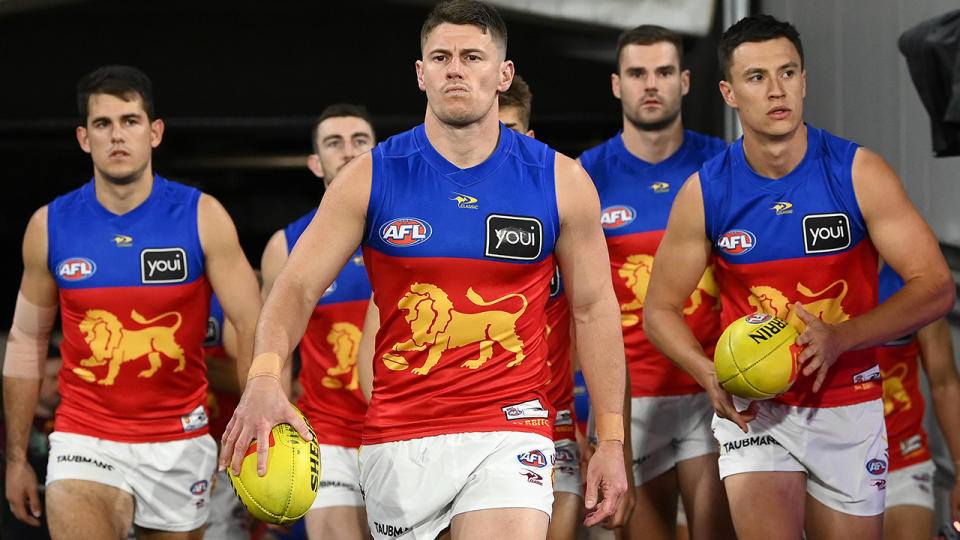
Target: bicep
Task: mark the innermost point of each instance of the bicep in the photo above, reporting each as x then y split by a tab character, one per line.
684	250
226	265
37	284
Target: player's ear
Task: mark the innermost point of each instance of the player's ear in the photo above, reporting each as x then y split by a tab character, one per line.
420	75
156	132
615	84
726	90
83	139
684	82
507	71
313	163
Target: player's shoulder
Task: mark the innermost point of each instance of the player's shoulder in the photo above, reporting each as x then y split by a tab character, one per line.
527	149
597	154
399	145
705	144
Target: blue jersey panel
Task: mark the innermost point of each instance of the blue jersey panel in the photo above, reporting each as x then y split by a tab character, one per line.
351	284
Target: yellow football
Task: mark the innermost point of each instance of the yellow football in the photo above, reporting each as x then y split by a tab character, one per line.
756	357
286	492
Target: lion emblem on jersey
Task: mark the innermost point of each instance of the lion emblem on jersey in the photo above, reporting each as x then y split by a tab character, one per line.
110	343
636	271
436	327
895	396
345	339
828	308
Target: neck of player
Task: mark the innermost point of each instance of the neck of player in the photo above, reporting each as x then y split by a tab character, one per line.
465	146
774	156
120	197
653	146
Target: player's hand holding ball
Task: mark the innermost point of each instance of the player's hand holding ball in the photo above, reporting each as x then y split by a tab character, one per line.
756	357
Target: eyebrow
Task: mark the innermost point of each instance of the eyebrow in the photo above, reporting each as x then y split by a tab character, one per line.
752	70
474	50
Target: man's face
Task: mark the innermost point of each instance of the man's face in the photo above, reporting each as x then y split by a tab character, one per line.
461	71
766	85
119	137
650	85
339	139
512	119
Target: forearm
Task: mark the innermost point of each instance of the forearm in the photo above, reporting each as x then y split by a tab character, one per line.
946	406
19	402
600	351
668	331
244	354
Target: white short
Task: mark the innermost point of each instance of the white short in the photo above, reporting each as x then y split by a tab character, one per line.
843	450
912	485
170	481
665	430
339	478
228	517
567	471
413	488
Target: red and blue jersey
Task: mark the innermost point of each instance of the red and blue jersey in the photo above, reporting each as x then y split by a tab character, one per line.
559	347
134	303
903	403
220	403
796	238
636	197
331	399
460	261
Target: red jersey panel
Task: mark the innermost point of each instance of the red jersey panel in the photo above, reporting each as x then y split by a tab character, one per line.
903	404
560	385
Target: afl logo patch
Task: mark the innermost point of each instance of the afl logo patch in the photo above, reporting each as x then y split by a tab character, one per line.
876	466
518	238
199	487
163	265
736	242
405	232
758	318
614	217
825	233
76	269
533	459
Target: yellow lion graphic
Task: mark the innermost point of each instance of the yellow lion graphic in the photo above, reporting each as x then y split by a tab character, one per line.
636	271
110	341
895	395
829	309
345	338
436	326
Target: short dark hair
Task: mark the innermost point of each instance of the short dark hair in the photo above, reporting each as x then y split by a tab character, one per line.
519	97
752	29
479	14
648	34
338	110
124	82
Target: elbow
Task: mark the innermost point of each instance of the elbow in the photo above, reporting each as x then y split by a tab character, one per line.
946	296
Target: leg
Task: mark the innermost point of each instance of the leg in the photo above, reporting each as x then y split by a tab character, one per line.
86	509
768	505
153	534
566	516
346	522
515	523
824	523
655	514
154	358
907	522
704	500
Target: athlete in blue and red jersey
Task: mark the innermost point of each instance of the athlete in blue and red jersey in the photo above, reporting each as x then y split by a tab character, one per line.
130	258
462	222
638	173
910	502
331	398
796	217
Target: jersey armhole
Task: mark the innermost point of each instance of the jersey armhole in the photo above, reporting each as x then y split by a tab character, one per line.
376	195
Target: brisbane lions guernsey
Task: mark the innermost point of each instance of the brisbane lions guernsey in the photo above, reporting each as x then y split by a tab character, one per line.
636	198
460	261
220	403
331	399
134	303
796	238
903	403
560	385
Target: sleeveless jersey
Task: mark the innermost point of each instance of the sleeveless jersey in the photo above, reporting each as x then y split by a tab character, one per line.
797	238
134	303
331	399
220	403
560	385
903	403
636	198
460	261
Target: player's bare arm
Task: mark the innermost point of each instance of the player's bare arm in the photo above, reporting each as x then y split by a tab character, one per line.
272	261
907	244
365	349
231	277
677	268
582	254
324	247
936	354
23	365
